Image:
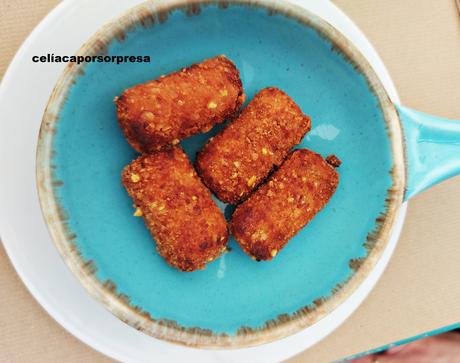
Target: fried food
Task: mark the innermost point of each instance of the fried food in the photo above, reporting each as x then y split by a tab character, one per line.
280	208
161	112
239	158
188	227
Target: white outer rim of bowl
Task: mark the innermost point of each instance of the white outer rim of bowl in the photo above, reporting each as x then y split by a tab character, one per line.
275	351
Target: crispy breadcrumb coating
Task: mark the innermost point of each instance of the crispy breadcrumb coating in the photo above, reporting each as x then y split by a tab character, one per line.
162	112
188	227
239	158
280	208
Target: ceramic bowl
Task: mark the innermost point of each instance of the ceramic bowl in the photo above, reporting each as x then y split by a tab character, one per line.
389	154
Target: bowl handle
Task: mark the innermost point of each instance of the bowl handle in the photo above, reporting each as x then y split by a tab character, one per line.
432	149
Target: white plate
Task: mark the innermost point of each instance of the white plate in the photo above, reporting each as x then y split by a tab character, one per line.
23	95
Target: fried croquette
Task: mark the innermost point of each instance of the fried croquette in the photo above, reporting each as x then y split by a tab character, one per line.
188	227
280	208
161	112
239	158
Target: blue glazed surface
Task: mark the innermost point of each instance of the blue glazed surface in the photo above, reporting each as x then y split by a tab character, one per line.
432	149
234	291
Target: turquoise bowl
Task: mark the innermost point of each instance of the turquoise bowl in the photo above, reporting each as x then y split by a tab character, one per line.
235	301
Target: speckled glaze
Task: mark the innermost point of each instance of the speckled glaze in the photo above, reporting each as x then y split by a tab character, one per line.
235	301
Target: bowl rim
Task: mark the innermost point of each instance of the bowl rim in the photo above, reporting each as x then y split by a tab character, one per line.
148	14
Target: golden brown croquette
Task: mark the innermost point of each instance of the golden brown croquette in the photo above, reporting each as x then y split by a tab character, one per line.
162	112
239	158
280	208
188	227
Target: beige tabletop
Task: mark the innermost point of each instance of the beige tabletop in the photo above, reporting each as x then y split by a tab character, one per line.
419	41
